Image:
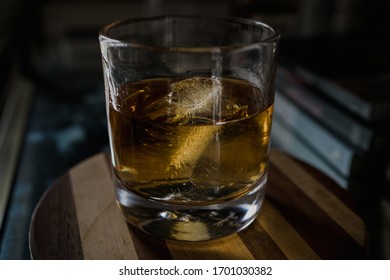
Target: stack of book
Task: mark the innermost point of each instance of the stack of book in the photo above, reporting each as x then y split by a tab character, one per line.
332	108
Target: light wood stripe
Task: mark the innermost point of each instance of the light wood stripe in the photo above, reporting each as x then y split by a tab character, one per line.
103	231
288	240
327	201
230	247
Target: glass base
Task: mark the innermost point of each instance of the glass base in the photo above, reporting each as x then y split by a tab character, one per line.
190	223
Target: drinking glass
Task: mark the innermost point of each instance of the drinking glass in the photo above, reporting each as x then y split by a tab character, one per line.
189	104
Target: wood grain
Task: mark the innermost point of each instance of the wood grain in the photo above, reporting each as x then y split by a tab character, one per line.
327	201
103	233
284	235
304	216
231	247
54	231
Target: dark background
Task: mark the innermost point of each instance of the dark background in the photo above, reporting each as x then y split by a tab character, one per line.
52	49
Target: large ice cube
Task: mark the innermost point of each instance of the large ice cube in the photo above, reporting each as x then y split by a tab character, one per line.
193	97
197	96
199	100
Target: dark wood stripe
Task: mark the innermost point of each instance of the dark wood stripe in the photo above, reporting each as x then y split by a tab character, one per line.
260	244
319	230
148	248
55	232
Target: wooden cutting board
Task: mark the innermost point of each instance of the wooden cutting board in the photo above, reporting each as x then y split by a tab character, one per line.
304	216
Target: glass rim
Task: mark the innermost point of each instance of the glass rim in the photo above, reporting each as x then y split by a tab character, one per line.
273	37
